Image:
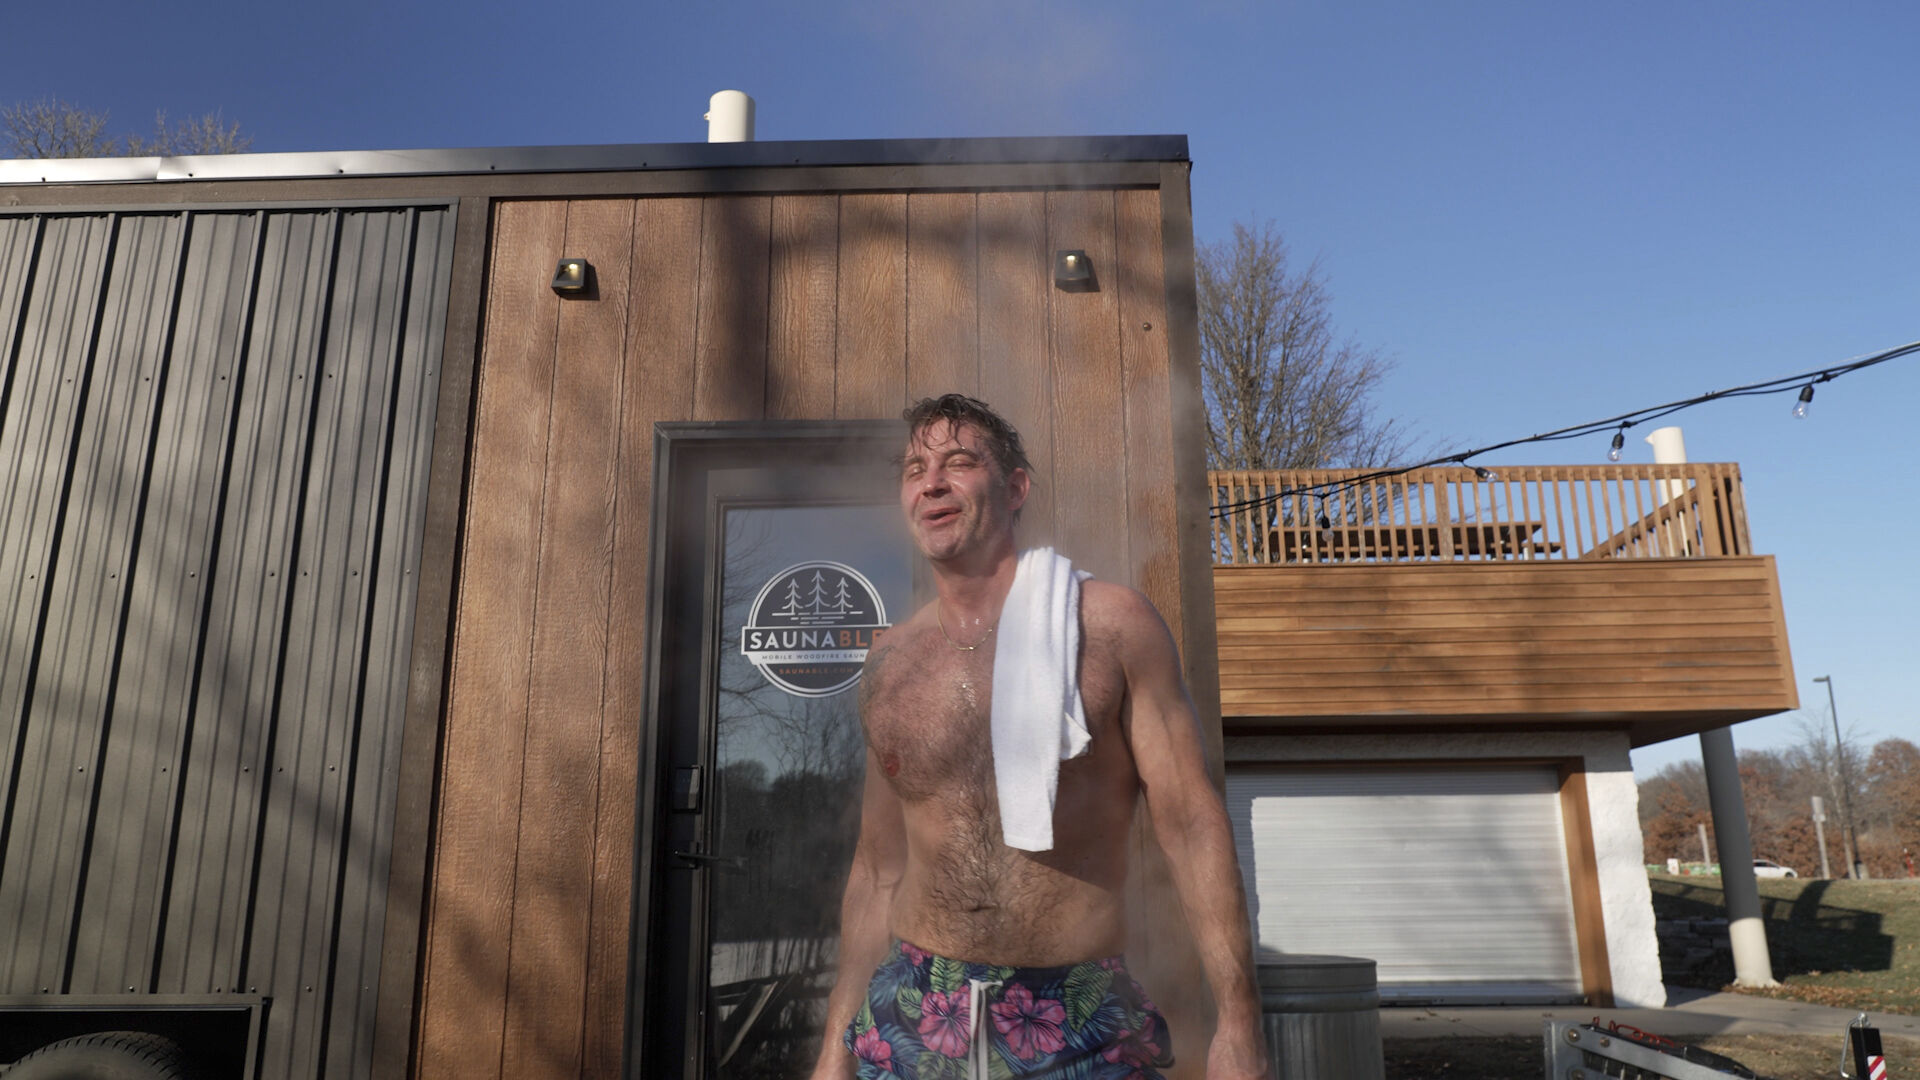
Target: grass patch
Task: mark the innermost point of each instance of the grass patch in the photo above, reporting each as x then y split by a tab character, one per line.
1847	944
1779	1057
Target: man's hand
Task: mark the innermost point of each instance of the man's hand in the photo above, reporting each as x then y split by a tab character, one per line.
1239	1052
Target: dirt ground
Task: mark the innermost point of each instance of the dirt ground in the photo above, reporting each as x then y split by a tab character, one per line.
1777	1057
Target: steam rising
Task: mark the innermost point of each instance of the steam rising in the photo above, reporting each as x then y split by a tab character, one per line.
1008	68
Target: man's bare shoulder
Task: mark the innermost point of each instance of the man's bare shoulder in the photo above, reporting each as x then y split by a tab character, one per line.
1121	614
903	641
916	626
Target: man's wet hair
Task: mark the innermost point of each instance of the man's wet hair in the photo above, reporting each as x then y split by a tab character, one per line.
956	409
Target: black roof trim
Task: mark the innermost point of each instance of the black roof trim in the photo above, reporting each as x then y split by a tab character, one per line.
627	157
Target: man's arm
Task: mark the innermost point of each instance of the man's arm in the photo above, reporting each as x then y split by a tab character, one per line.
1190	822
865	914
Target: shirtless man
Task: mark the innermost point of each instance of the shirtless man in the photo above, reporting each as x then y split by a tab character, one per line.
961	927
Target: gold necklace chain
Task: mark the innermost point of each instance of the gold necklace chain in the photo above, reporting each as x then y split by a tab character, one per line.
940	620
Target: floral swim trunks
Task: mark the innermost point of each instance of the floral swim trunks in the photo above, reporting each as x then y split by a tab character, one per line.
1088	1020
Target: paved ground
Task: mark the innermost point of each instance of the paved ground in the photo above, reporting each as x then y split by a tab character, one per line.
1688	1012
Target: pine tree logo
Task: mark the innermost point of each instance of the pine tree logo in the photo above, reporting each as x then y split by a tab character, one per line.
810	627
793	598
843	603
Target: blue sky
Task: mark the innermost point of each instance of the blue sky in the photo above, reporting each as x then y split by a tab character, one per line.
1546	214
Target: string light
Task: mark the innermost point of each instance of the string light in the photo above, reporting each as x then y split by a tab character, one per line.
1619	441
1804	381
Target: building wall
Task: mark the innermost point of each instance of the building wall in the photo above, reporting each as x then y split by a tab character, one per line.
744	307
215	427
1612	807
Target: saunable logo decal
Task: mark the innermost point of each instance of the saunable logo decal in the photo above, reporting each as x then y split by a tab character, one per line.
811	626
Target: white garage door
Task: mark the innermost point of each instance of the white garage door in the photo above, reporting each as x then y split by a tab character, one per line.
1454	879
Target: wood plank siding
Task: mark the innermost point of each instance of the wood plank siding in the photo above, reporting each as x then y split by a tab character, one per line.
736	307
1661	647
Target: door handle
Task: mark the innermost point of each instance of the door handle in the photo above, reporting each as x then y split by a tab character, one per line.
703	859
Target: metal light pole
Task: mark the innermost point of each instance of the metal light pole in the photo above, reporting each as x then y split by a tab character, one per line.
1846	783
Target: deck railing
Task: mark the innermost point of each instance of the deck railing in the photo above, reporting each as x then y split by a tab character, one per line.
1456	514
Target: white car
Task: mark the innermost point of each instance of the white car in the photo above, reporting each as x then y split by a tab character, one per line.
1769	868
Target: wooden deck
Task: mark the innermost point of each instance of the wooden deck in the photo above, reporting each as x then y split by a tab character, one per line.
1658	647
1455	514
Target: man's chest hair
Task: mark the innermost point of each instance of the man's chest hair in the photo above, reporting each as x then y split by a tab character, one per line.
927	707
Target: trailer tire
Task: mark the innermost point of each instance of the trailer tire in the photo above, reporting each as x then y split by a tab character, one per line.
106	1055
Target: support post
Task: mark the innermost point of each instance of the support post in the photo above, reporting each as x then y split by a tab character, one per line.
1752	966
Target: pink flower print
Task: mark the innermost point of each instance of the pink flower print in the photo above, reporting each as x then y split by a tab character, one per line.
915	955
1030	1027
943	1022
1140	992
869	1047
1135	1048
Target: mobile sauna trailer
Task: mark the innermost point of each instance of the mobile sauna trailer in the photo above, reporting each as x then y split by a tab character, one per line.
399	554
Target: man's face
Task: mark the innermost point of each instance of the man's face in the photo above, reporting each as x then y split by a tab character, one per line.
954	496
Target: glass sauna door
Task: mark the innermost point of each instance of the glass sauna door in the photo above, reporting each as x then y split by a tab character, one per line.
799	569
803	591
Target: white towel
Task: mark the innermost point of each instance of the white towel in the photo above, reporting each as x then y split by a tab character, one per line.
1038	721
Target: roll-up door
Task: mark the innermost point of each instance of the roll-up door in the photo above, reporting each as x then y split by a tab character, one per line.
1454	879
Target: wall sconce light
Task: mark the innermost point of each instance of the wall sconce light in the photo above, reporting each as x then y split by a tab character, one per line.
1073	271
572	277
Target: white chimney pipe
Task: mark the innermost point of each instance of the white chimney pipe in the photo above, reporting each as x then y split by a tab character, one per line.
1669	447
729	117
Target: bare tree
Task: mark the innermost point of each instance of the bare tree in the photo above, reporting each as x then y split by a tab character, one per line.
1892	789
52	128
1283	390
208	133
1837	764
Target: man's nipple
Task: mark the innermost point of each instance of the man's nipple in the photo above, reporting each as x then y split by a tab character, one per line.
890	761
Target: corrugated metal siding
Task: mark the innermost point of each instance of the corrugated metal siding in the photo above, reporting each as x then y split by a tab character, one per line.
214	439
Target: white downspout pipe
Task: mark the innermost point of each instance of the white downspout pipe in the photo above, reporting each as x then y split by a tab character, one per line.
729	117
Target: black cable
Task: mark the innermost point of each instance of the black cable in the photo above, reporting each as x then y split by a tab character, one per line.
1782	385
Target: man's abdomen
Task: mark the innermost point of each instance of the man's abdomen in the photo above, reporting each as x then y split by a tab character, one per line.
972	897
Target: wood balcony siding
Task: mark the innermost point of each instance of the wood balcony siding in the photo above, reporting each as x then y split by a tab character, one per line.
1576	596
1452	514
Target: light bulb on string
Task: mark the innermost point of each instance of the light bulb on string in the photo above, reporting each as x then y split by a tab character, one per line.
1624	421
1806	399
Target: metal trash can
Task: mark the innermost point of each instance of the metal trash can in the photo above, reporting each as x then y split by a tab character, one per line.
1321	1015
